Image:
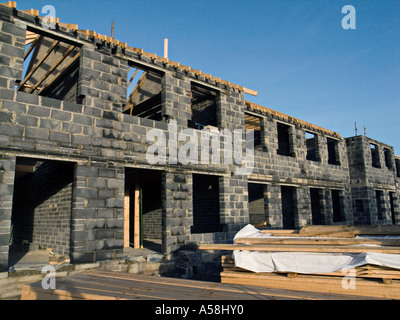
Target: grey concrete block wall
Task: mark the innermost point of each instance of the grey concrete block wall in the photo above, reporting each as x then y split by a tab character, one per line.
97	217
11	51
7	173
175	98
177	210
102	141
366	180
295	170
102	79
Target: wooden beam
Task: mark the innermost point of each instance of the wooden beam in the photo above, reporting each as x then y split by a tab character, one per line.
71	26
24	168
319	242
281	232
314	283
126	218
137	50
166	48
10	4
136	88
54	44
29	41
136	218
133	77
351	230
147	104
89	33
61	73
301	248
53	67
251	92
31	12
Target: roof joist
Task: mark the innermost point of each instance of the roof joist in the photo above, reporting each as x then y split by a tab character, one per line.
38	64
53	67
61	72
49	62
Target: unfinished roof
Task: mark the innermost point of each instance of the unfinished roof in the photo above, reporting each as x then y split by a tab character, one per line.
52	59
284	117
72	29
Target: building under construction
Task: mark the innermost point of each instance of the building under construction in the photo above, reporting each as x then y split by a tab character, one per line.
76	108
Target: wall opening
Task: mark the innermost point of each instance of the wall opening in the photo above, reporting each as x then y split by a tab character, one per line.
143	209
256	203
254	123
283	131
397	161
144	93
51	67
374	156
388	158
312	146
288	207
206	208
204	107
337	206
333	151
392	209
379	203
316	206
42	206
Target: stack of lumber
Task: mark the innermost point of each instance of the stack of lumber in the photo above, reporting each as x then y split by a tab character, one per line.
366	280
106	285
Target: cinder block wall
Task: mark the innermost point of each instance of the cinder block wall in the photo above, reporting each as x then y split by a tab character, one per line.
42	207
366	180
7	174
295	170
103	142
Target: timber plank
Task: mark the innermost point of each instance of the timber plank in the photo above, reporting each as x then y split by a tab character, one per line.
319	241
173	283
326	284
342	231
354	230
300	248
102	285
151	289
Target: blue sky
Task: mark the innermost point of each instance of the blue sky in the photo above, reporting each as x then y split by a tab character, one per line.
295	53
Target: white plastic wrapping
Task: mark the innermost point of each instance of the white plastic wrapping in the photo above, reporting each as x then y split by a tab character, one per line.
305	262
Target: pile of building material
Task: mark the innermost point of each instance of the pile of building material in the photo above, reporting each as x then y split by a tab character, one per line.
353	260
106	285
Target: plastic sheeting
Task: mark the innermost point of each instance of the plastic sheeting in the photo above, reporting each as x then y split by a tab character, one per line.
304	262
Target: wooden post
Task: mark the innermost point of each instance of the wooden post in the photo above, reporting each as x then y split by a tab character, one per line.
126	218
166	48
136	217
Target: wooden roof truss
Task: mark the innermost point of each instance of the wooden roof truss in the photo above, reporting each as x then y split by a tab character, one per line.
49	60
